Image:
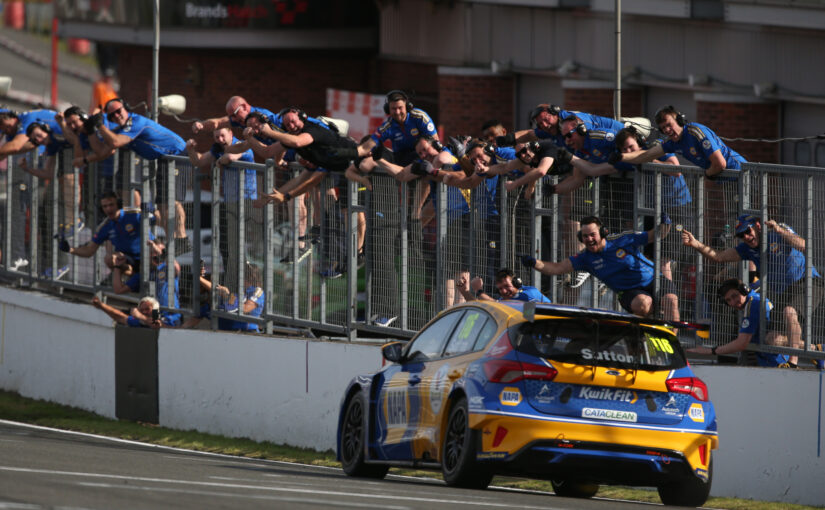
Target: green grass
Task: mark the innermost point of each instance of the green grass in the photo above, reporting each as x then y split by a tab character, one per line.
16	408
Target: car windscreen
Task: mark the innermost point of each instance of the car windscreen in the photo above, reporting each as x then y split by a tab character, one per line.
606	343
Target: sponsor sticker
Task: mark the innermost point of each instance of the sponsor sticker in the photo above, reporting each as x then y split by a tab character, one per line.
693	151
706	144
745	323
671	407
396	408
544	396
696	413
615	395
620	253
437	389
609	136
430	126
129	227
510	396
608	414
414	132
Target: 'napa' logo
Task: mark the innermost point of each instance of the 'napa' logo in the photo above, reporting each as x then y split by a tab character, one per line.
620	253
510	396
696	413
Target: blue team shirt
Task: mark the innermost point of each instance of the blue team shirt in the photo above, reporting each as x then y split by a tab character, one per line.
404	137
698	142
162	291
528	293
505	154
150	140
124	232
621	265
598	145
229	176
56	141
750	324
588	119
252	293
786	264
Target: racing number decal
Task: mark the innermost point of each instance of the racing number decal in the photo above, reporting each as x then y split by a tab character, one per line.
396	408
660	344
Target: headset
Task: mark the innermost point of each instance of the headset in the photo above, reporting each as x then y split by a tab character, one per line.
746	219
76	110
260	117
42	125
681	120
398	94
301	114
596	221
532	146
126	106
505	272
732	284
544	107
435	144
115	195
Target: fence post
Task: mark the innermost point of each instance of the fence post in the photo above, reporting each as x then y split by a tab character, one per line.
197	177
240	290
171	229
405	259
809	265
147	196
269	225
441	240
216	243
34	222
352	262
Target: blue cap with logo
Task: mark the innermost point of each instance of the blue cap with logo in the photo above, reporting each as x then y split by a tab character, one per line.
746	221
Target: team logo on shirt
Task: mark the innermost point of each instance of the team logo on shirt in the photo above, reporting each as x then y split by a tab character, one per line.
693	150
161	275
774	247
597	153
706	144
414	132
430	126
620	253
129	227
745	323
609	136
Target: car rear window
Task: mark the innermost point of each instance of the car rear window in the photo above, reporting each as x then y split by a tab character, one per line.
599	342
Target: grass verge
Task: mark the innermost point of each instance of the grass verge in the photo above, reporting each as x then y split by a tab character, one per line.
16	408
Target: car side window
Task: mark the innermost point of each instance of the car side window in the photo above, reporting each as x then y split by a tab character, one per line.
430	341
468	332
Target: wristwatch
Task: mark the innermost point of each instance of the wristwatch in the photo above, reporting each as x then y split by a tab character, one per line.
287	197
713	350
479	292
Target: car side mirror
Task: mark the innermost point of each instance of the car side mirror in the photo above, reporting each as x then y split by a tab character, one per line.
392	351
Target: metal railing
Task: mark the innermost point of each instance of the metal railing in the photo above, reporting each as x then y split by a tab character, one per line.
342	259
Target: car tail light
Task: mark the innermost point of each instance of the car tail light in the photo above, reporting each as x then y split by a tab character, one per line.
703	454
690	385
509	371
500	433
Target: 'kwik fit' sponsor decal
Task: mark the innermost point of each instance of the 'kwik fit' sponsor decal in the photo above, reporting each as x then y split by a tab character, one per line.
608	414
590	393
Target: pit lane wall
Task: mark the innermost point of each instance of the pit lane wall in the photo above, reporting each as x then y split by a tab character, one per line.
771	422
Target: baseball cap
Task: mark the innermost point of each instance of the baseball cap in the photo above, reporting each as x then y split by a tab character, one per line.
746	221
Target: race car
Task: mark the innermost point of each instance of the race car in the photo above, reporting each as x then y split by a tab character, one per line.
577	396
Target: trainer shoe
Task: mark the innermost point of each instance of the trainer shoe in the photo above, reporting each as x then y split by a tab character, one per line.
71	230
19	264
361	260
384	321
332	273
57	275
578	279
302	254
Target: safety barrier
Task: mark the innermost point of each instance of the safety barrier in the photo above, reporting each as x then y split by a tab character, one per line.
342	259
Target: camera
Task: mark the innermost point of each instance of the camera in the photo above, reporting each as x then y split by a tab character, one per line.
155	314
92	123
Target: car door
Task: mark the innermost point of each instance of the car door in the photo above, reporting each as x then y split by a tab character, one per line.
400	394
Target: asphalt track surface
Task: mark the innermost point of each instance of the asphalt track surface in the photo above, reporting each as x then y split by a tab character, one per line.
44	468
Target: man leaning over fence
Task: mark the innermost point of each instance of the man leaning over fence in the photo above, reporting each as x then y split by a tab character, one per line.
785	270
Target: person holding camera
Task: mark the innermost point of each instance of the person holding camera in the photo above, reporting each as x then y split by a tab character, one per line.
145	315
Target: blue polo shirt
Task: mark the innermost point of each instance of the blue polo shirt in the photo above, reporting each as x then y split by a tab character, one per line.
528	293
229	176
698	142
750	324
252	293
404	137
123	232
588	119
150	140
786	264
621	265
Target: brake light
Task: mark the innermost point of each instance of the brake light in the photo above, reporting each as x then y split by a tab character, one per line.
703	454
509	371
500	433
690	385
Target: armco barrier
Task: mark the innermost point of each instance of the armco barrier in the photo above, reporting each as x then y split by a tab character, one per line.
771	421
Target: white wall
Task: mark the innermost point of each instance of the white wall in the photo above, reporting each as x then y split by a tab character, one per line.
58	351
771	422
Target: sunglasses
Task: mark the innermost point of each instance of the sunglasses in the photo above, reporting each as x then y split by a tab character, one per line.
569	134
111	115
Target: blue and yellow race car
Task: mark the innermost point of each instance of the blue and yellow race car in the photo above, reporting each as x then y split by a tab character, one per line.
577	396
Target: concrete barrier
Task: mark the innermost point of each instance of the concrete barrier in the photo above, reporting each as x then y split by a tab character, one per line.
771	422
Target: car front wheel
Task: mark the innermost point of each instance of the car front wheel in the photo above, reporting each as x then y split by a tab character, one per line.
353	437
458	460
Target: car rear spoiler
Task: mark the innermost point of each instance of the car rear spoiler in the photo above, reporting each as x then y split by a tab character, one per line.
531	309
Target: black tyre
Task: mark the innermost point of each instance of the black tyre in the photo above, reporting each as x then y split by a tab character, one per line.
571	489
353	437
690	492
458	451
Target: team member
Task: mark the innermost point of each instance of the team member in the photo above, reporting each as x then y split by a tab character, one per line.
237	109
617	261
145	307
122	228
738	296
691	140
547	119
403	126
508	285
150	141
785	267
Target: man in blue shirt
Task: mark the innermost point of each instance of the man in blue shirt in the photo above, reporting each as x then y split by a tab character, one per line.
785	271
548	118
691	140
508	285
617	261
141	316
403	127
737	295
150	141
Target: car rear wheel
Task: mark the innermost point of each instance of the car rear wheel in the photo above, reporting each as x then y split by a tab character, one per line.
570	489
690	492
458	456
353	434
